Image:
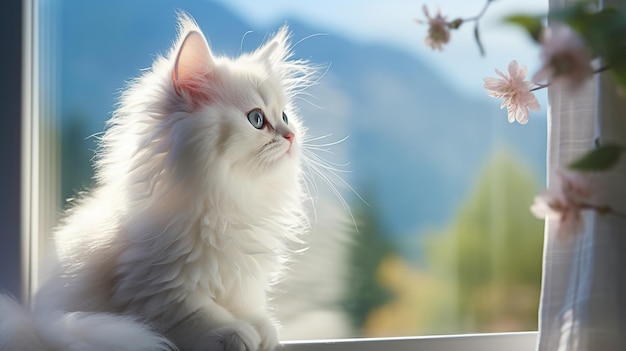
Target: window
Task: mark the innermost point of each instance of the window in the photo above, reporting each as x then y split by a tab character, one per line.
445	244
11	253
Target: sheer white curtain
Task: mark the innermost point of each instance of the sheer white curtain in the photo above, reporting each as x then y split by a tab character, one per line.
583	305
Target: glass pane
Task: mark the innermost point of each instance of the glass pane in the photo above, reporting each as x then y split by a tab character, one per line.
440	239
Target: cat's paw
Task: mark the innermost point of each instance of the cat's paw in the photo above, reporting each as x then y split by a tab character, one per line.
267	332
239	336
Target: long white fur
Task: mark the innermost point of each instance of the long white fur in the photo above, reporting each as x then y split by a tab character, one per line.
192	217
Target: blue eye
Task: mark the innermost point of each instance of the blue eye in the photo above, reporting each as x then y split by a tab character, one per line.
285	119
256	118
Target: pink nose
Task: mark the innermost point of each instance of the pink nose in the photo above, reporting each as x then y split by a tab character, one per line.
289	136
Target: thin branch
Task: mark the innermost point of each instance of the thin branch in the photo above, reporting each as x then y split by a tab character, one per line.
540	86
481	48
481	14
596	71
602	209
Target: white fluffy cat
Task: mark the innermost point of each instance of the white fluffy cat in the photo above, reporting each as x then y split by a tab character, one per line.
197	204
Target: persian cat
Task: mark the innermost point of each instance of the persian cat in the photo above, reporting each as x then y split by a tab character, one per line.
199	200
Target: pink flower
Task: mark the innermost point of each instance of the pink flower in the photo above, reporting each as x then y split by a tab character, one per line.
564	200
515	91
438	30
566	59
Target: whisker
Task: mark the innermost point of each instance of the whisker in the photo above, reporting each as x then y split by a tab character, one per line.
309	37
306	93
322	75
334	189
256	161
309	152
309	102
326	150
243	39
327	164
312	191
330	172
306	142
308	138
96	135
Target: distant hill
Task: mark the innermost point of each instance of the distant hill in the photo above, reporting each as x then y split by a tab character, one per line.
415	143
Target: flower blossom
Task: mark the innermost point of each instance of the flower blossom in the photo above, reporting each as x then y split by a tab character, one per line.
564	200
566	58
438	30
515	91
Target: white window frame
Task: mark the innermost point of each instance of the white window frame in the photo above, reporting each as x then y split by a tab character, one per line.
523	341
24	229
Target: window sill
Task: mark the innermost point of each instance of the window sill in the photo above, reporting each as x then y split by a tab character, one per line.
525	341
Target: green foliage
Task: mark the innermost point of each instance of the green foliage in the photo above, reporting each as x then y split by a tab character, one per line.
602	158
369	248
604	32
492	251
532	24
76	168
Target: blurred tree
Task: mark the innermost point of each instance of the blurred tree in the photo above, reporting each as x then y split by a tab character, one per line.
369	247
76	155
481	273
492	250
418	300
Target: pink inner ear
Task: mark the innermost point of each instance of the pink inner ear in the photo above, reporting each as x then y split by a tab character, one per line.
193	66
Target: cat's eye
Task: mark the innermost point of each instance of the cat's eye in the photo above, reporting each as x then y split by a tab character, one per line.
256	118
285	119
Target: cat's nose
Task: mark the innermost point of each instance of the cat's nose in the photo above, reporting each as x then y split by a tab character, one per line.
289	136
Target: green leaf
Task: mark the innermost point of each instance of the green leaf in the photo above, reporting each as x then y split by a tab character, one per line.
532	24
456	23
603	31
620	75
600	159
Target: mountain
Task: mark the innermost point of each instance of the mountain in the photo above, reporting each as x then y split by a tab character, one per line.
415	142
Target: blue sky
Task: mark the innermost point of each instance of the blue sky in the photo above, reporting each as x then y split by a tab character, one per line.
460	137
392	22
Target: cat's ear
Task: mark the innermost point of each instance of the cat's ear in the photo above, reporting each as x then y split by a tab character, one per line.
277	49
193	66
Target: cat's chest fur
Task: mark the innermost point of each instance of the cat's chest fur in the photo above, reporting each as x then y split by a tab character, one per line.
230	252
203	254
